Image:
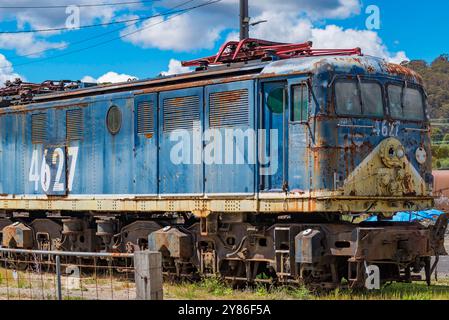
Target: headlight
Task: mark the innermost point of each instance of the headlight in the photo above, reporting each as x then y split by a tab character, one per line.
400	153
421	155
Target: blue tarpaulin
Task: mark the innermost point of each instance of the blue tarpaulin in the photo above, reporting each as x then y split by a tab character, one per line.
411	216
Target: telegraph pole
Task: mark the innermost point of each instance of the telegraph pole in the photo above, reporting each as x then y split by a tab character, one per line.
244	20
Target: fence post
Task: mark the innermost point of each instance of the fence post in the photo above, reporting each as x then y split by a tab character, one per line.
58	277
148	275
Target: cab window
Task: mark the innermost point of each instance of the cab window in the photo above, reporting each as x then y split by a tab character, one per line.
300	103
405	103
348	99
413	104
395	101
372	99
355	98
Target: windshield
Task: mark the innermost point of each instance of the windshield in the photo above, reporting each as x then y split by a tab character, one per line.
359	99
405	103
366	98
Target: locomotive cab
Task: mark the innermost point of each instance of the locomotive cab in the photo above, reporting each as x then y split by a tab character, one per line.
355	136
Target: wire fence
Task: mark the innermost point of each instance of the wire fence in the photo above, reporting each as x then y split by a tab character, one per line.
47	275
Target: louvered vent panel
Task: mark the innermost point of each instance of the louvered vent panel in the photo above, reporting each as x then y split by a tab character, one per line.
38	128
229	109
181	113
75	124
145	118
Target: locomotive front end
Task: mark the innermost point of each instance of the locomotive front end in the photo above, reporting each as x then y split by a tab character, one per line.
372	157
372	149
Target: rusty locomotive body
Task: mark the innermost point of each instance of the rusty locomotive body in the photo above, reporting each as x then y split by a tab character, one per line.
254	170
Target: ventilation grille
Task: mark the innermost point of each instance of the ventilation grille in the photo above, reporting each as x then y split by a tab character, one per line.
75	125
145	118
38	128
229	109
181	113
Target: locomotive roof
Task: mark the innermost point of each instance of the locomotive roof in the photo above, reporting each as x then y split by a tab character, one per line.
354	64
342	65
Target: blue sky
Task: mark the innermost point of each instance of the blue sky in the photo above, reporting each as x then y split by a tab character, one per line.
408	30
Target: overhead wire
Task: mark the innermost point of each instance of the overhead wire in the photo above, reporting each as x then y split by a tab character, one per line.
184	11
104	24
64	46
81	5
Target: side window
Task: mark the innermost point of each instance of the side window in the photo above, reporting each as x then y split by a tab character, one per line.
348	98
395	101
413	104
114	120
300	103
275	100
372	99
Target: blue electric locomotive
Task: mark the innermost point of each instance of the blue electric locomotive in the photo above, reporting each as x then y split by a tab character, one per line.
253	166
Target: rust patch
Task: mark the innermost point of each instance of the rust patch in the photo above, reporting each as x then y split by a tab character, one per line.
399	70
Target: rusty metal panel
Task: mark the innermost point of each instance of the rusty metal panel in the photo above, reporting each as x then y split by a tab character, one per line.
146	144
181	113
39	128
229	108
308	246
17	235
181	110
441	189
178	244
75	124
145	118
231	114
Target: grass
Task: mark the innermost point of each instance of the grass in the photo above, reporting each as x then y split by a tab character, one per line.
17	278
215	289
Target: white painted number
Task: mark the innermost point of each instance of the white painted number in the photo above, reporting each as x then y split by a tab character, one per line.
34	170
387	129
44	174
73	154
58	155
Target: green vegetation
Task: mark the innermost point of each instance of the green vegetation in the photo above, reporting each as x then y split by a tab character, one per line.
215	289
436	80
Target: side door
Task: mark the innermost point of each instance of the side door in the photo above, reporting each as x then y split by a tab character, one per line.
146	144
47	167
181	169
273	137
298	135
230	138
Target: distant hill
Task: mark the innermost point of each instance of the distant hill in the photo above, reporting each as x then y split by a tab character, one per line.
436	79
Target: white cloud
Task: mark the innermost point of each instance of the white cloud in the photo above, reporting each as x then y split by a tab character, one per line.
27	43
283	27
287	21
57	17
109	77
26	19
336	37
201	28
175	67
182	33
7	71
329	37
